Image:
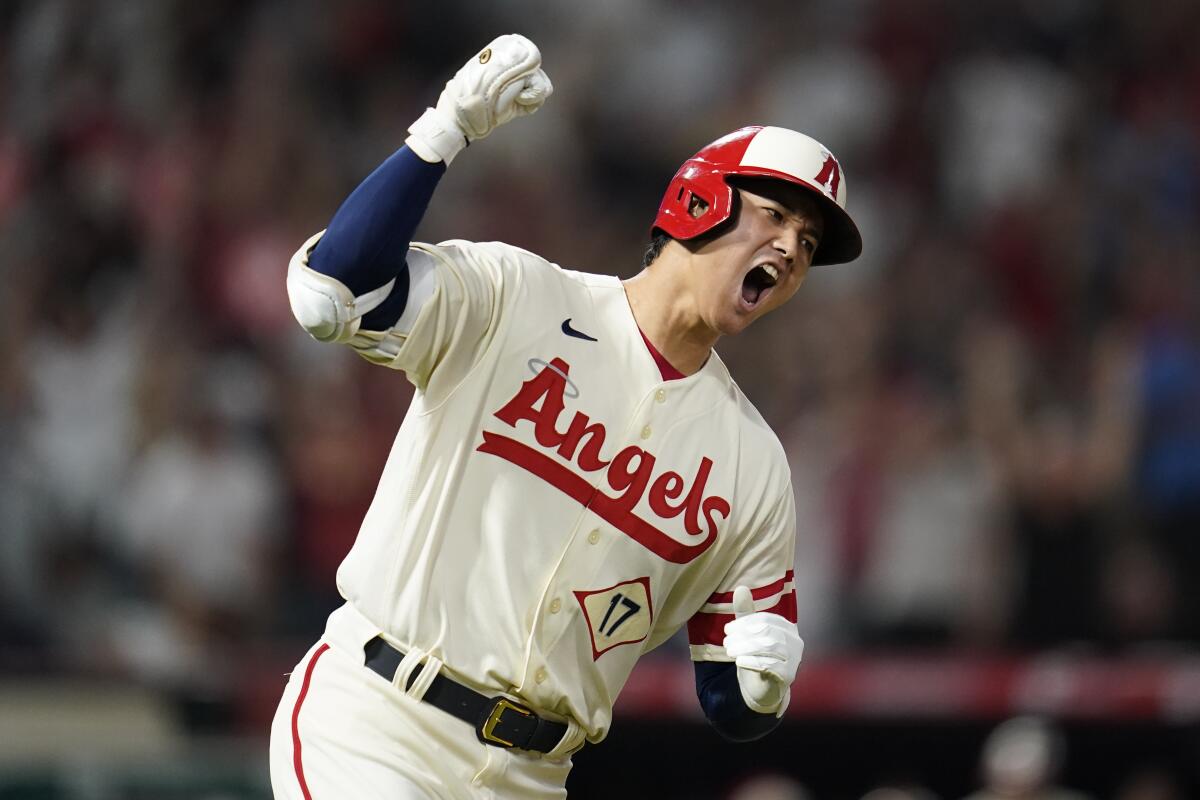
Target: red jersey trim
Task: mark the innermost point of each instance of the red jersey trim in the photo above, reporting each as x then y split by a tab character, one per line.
668	372
296	722
757	594
706	628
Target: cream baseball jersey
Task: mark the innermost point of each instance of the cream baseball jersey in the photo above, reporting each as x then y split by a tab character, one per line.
552	508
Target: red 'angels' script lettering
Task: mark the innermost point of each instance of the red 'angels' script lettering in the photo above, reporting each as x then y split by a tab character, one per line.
830	175
630	473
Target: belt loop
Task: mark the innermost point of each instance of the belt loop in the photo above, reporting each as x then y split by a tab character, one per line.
485	714
572	741
433	665
410	661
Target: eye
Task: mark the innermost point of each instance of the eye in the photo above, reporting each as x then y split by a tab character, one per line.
774	213
808	244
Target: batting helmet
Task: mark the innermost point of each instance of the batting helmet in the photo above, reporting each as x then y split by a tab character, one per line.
764	152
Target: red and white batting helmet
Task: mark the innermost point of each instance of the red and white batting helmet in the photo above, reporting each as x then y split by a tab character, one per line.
765	152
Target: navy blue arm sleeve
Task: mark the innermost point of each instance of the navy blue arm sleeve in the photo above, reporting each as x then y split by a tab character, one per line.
366	243
721	699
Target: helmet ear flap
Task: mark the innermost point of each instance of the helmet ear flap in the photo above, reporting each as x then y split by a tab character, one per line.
696	201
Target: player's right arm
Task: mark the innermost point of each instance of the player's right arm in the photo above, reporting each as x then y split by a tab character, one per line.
359	274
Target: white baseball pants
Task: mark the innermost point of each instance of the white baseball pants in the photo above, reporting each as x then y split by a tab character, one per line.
343	731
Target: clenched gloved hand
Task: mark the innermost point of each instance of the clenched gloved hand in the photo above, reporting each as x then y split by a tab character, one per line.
500	82
767	650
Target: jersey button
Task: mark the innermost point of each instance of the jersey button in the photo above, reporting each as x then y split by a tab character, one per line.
660	396
646	432
555	605
540	676
594	537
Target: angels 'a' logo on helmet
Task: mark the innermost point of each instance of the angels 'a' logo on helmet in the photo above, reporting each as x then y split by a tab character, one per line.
830	175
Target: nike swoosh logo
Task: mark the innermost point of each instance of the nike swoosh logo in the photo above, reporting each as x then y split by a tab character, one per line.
569	331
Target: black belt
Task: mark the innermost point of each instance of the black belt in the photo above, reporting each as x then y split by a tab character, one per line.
498	721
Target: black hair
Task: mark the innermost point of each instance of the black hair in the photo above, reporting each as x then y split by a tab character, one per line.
658	241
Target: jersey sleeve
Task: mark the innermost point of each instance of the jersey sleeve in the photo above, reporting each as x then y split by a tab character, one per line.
764	565
439	339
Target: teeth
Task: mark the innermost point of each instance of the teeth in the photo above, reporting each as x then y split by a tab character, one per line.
771	270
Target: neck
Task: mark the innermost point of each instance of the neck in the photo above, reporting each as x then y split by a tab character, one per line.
665	309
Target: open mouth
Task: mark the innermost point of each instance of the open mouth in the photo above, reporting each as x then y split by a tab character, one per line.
758	282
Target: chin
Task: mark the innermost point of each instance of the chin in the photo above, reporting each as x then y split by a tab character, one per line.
735	324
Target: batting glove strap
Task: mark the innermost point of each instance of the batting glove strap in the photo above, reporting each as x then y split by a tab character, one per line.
501	82
435	137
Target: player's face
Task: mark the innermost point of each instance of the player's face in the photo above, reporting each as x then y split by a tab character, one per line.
759	263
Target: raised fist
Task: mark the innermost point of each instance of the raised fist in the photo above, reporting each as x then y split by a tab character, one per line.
500	82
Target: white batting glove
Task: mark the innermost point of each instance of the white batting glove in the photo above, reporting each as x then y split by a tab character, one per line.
767	650
500	82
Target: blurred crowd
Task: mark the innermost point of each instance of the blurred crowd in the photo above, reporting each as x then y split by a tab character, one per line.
993	416
1022	758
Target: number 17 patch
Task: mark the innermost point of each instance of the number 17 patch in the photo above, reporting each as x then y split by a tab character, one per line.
617	615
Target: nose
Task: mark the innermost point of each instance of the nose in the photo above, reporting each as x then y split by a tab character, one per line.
787	243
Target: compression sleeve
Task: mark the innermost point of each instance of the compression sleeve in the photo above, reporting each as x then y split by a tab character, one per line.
367	240
721	699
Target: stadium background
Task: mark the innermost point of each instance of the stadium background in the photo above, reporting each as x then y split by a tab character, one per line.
993	416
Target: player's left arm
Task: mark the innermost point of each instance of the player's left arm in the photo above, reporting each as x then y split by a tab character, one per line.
720	696
744	642
745	699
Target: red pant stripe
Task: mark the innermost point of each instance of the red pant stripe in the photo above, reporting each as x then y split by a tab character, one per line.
296	720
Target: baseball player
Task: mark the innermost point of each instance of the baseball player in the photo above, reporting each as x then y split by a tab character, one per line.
576	479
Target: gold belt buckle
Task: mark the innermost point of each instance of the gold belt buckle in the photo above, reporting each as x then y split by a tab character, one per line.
487	729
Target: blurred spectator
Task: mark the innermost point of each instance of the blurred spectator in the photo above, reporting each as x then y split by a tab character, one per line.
1062	461
331	459
1150	783
770	787
928	566
829	445
899	793
200	525
1170	463
1006	118
1021	760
